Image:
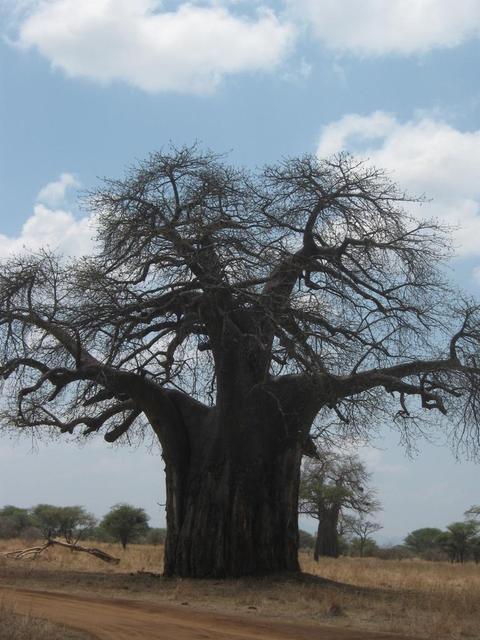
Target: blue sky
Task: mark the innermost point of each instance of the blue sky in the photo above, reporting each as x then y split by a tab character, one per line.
88	87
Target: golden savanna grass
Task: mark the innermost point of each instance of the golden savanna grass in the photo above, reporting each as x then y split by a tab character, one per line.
418	598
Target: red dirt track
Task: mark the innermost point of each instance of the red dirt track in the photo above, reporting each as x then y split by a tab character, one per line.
116	619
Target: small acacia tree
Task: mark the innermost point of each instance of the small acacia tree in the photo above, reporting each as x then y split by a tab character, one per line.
424	541
76	523
332	486
72	523
14	521
360	529
48	519
460	540
125	523
230	313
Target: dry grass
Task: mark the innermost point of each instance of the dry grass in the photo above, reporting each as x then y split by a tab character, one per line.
19	627
134	558
421	599
429	599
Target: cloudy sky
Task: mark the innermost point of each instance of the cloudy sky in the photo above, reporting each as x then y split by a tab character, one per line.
88	87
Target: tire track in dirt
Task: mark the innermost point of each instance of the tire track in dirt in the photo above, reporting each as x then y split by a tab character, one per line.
119	619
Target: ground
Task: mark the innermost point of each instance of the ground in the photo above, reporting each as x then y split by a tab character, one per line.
16	626
347	597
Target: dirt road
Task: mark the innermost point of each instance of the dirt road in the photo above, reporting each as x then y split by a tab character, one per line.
116	619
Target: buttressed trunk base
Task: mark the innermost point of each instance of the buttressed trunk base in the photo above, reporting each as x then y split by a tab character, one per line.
233	513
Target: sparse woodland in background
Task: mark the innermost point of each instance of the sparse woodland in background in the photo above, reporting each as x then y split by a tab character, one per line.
123	523
126	524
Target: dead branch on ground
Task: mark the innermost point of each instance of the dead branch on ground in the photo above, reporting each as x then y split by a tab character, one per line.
34	552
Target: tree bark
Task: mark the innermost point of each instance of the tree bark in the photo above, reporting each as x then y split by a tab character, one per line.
235	520
327	535
232	502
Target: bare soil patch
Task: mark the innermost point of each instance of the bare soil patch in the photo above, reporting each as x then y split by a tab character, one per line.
16	626
110	619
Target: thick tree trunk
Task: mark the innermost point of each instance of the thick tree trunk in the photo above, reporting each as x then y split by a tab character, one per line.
232	503
233	473
236	519
327	535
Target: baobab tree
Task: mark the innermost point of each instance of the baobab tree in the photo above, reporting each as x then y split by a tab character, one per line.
333	487
229	312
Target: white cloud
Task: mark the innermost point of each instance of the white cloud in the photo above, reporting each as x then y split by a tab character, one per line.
53	228
192	47
54	193
189	49
377	27
375	461
425	156
373	458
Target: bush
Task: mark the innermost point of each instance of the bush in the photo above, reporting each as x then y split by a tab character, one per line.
13	521
30	534
155	536
397	552
72	523
7	528
367	548
125	523
306	540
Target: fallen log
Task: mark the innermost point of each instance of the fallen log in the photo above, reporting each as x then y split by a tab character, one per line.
34	552
31	552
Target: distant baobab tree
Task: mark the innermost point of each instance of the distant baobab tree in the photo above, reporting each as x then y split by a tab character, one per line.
333	488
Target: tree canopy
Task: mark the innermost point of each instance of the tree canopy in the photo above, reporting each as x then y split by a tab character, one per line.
125	523
13	521
71	523
336	479
422	540
315	261
461	540
359	528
